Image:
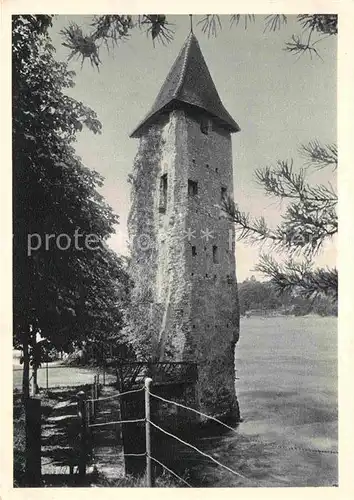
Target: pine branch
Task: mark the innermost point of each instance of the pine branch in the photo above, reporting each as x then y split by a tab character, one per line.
274	22
157	27
281	181
305	227
81	45
211	24
300	278
320	156
248	19
298	47
109	30
253	230
322	23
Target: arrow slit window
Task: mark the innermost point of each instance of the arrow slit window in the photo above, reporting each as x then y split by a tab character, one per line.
223	194
215	254
163	193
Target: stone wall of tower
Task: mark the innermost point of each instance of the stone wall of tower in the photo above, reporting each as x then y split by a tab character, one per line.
188	265
214	306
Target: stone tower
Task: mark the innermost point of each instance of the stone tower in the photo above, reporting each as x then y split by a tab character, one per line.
184	303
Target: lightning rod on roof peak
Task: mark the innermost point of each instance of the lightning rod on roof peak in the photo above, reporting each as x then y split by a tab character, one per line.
191	21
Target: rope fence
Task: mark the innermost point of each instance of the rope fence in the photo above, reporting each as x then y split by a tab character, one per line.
295	448
310	450
118	422
116	395
199	451
192	409
149	422
161	464
170	471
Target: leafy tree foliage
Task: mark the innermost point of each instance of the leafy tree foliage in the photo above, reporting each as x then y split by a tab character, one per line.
65	292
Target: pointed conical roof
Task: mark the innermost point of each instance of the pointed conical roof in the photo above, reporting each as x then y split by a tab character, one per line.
189	82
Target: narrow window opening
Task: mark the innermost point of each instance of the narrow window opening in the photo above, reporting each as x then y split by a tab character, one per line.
192	188
206	275
216	170
215	254
205	125
194	251
223	193
193	326
163	193
207	165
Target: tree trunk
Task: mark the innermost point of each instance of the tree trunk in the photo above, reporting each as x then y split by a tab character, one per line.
35	361
34	385
26	367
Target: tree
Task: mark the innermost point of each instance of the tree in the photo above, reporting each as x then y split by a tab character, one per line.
254	294
67	284
262	296
309	220
108	30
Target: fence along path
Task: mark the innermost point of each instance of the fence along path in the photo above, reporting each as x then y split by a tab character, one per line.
60	436
149	422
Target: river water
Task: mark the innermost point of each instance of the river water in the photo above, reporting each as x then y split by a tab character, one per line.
287	391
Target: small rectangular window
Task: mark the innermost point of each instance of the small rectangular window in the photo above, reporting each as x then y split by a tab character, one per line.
194	251
163	193
205	125
223	193
215	254
192	188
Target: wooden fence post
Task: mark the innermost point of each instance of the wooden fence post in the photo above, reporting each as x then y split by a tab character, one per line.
46	375
93	402
88	412
104	373
33	442
148	433
97	391
83	454
98	386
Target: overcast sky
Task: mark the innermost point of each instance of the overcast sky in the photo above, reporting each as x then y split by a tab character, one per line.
279	102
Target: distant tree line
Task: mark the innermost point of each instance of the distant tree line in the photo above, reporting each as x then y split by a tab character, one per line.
261	297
